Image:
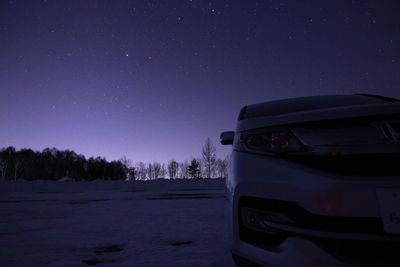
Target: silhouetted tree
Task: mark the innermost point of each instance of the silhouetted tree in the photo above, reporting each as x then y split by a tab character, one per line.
163	171
18	161
183	170
28	167
157	170
193	169
141	171
3	167
172	169
221	167
150	171
208	154
132	174
127	164
7	157
52	164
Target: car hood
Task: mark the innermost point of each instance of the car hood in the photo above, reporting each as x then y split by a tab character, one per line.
320	115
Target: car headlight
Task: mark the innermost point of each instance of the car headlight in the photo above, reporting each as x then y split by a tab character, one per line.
268	141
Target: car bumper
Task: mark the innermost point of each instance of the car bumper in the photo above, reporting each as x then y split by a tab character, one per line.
356	236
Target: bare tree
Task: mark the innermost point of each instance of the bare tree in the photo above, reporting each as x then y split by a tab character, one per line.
208	154
173	169
156	170
132	174
150	171
183	170
222	167
163	171
127	163
141	171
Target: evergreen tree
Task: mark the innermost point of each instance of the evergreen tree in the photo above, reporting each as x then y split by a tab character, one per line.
194	169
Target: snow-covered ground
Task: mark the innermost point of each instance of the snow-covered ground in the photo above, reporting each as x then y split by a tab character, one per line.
156	223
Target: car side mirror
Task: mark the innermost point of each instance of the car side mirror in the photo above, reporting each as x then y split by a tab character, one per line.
226	138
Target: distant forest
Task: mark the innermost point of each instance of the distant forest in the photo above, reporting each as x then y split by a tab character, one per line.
54	164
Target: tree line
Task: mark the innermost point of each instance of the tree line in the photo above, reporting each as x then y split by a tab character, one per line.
54	164
207	166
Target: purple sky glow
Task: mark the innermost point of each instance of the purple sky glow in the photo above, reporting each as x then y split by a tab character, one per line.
153	79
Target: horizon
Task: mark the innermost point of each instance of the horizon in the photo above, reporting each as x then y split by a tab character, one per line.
186	160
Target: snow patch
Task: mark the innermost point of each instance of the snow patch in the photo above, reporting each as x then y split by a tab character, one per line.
114	223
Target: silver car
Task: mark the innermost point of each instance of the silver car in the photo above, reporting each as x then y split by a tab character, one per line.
315	181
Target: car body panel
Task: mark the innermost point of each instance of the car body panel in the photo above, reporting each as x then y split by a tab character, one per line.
321	194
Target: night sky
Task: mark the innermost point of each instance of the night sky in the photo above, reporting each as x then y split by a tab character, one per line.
153	79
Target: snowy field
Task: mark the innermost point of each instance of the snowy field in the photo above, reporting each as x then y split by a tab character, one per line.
157	223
